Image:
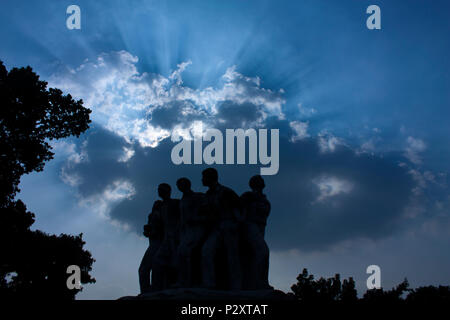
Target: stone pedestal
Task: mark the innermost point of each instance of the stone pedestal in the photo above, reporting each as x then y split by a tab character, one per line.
208	294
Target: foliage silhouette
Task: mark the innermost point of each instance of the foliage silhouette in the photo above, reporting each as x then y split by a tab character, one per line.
33	263
379	296
30	115
329	291
429	295
323	290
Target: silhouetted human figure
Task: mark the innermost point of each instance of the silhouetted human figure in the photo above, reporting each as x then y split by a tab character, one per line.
223	204
164	270
256	209
152	230
192	231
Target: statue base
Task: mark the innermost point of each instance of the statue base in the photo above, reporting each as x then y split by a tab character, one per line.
210	294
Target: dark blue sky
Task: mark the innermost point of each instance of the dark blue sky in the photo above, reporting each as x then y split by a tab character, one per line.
363	118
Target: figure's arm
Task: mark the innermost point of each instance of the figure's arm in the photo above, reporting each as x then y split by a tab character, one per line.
244	201
264	207
146	232
235	203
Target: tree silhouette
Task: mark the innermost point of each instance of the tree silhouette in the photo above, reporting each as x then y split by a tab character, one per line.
326	291
379	296
349	293
33	263
429	295
30	115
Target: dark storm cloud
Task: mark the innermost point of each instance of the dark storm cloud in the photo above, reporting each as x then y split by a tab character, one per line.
102	150
236	115
372	208
176	112
318	199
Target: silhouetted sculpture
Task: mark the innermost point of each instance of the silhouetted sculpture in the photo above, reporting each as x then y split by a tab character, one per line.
164	269
256	209
192	232
152	230
223	205
213	240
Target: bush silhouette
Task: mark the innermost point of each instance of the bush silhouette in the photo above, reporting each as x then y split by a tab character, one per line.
326	291
429	295
323	290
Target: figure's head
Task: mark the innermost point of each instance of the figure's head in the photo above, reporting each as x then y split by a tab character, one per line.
164	191
210	177
256	183
184	184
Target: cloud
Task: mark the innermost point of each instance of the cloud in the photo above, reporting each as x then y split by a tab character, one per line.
307	112
145	108
128	153
69	152
328	142
300	130
112	194
367	146
429	192
413	149
331	187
